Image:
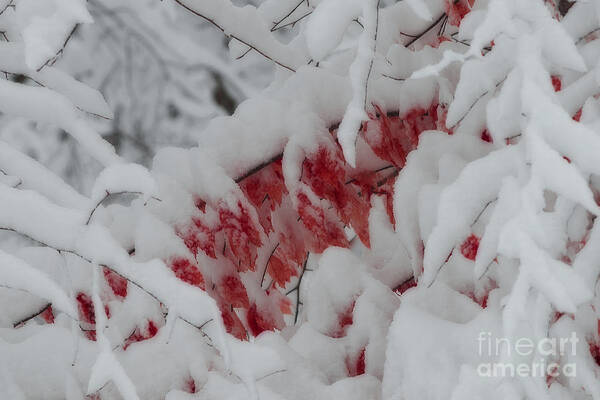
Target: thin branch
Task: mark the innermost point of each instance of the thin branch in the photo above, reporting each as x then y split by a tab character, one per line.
109	194
267	265
61	50
222	29
393	77
293	22
286	16
483	210
374	53
297	288
420	35
31	316
475	102
256	169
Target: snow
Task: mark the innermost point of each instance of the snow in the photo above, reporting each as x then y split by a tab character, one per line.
253	32
490	227
327	25
45	29
123	178
17	274
360	72
34	176
44	105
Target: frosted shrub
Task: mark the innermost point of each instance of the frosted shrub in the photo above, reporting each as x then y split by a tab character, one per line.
411	199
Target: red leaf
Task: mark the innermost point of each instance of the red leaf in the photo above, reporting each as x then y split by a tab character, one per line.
86	308
47	315
232	323
199	236
139	335
281	271
190	385
358	215
259	322
323	171
117	283
457	9
232	290
469	247
556	83
358	366
242	235
345	319
187	272
285	305
485	136
265	185
327	231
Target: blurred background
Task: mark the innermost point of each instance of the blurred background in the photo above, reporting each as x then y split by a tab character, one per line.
163	71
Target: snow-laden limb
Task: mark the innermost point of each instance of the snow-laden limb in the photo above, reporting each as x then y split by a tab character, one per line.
253	32
12	57
506	207
360	72
559	175
31	214
422	168
44	105
328	24
123	178
461	203
251	361
46	29
106	367
17	274
65	230
35	176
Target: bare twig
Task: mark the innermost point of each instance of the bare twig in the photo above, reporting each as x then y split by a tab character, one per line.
109	194
276	24
31	316
61	50
240	39
267	265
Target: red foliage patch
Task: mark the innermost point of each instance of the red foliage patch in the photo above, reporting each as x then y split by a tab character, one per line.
486	137
233	291
280	269
190	385
199	236
117	283
47	315
356	367
86	308
138	335
187	272
595	351
232	323
404	286
457	9
242	234
556	83
259	322
327	231
469	247
345	319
